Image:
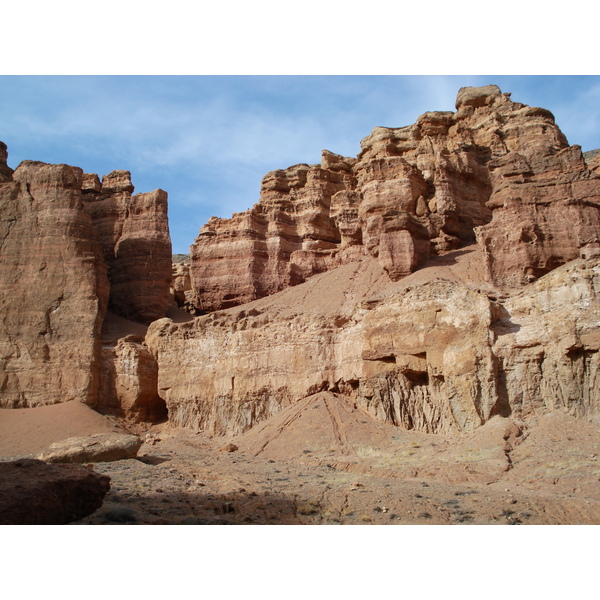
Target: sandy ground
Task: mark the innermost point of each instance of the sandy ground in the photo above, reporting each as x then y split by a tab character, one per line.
25	431
322	461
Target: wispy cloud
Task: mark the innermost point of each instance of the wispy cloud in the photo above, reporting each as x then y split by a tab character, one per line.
209	140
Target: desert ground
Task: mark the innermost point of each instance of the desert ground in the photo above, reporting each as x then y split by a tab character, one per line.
323	461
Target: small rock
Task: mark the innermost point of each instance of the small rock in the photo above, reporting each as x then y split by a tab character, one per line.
151	439
229	448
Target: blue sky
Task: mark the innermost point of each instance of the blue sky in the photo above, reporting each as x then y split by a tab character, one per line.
209	140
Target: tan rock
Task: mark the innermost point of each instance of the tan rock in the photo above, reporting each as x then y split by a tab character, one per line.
412	191
60	229
5	171
546	209
100	447
129	381
134	234
53	289
431	352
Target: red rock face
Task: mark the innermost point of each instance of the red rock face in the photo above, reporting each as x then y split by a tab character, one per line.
70	248
53	289
5	171
285	238
546	212
412	192
134	233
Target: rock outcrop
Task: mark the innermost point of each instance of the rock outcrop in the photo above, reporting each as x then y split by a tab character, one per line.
436	352
35	493
53	289
134	233
5	171
447	275
70	248
129	380
181	284
495	169
430	353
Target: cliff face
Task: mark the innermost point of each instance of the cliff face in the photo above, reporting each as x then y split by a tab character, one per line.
395	315
69	249
448	274
134	234
435	352
495	169
53	289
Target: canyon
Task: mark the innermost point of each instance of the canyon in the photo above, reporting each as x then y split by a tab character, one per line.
443	284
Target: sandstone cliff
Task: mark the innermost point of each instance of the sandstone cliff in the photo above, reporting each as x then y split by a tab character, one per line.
495	169
53	289
438	351
446	275
392	313
134	234
69	249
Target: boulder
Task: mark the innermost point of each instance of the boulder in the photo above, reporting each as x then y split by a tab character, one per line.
35	493
100	447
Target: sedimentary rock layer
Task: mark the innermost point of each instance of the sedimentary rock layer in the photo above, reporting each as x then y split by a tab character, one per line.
436	355
134	233
53	289
69	248
412	192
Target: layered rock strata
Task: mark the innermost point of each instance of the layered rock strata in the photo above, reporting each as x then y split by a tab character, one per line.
433	355
495	169
71	247
53	289
5	171
129	380
134	233
181	283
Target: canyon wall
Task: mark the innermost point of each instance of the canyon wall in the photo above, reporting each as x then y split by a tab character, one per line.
134	234
71	249
448	273
515	334
434	354
495	169
53	289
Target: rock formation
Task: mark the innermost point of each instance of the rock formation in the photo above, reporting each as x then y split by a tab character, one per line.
5	171
431	354
495	169
181	284
53	289
129	380
34	493
136	246
447	275
69	249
